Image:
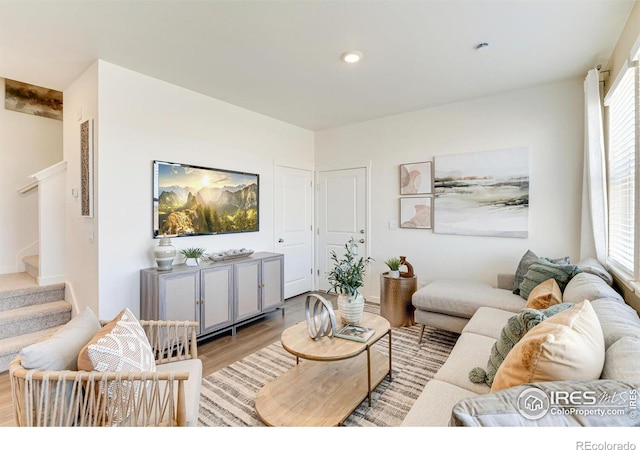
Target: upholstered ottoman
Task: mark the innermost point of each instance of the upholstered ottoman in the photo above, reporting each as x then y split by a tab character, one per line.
448	304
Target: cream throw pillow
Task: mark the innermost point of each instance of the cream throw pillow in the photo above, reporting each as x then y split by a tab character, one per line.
566	346
544	295
120	346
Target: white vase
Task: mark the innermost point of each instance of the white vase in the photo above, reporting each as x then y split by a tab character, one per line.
394	274
192	262
350	308
164	253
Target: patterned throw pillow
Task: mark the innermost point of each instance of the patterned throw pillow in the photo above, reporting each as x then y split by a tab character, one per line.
544	269
544	295
517	326
120	346
525	262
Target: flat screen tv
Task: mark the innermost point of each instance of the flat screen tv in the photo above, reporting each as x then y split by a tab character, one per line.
190	200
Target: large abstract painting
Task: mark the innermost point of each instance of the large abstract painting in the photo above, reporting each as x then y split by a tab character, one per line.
482	193
30	99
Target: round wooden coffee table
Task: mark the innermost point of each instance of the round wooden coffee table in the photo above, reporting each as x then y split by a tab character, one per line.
333	378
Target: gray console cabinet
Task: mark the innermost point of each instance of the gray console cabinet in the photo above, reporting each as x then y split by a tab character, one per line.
219	296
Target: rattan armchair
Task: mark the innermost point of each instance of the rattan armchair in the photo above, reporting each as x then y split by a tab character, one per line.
81	398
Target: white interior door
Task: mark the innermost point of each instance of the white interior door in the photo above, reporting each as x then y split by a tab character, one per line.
341	216
294	228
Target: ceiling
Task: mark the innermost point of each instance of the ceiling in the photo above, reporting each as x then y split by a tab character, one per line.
282	58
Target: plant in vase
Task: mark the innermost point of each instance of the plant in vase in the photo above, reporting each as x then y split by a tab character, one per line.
394	267
346	276
192	255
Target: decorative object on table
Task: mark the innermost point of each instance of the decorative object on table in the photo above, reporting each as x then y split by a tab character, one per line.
355	333
321	320
409	272
192	255
483	193
191	200
346	276
394	267
415	212
164	253
416	178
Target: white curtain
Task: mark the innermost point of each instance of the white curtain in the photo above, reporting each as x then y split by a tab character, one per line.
594	193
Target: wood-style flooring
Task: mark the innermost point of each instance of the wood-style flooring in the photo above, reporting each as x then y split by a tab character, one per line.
216	352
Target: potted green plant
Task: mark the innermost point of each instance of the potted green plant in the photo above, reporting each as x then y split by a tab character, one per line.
394	267
192	255
345	278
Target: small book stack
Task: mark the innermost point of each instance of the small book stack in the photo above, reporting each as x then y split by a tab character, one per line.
355	333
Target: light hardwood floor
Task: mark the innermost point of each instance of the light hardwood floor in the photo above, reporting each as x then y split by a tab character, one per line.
215	353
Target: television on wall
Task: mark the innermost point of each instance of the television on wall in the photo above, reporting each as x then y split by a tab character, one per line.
191	200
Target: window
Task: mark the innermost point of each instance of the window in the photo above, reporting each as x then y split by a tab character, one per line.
622	150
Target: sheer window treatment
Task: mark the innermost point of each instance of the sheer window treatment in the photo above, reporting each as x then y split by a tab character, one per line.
594	193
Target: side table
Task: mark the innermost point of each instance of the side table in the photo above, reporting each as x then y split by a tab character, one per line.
395	299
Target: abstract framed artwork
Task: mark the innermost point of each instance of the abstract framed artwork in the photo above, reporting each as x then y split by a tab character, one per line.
482	193
415	212
416	178
30	99
86	168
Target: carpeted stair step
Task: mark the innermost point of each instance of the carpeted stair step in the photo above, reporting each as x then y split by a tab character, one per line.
10	347
34	318
32	265
30	295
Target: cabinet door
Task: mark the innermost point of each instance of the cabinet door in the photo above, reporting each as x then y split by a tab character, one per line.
179	296
272	283
246	279
216	290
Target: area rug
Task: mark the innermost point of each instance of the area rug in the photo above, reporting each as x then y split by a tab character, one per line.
227	396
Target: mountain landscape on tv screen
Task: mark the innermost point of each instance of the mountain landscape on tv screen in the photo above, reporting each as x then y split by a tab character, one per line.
188	210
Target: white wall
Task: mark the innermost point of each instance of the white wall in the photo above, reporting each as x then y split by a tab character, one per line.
547	119
80	104
28	144
142	119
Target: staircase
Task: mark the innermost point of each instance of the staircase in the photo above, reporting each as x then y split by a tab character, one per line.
28	312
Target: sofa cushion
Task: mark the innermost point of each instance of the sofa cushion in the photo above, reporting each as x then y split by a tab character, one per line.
471	350
60	351
515	328
622	361
502	408
593	266
544	295
523	266
617	320
587	286
542	270
488	321
433	406
462	298
566	346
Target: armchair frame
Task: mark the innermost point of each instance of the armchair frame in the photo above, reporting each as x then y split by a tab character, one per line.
81	398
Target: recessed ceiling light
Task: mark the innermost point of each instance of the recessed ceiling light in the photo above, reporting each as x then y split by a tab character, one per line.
351	56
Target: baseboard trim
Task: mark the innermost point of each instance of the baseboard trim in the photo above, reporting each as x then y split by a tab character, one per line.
55	279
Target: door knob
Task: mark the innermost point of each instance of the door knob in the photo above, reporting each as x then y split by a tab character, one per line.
281	240
361	241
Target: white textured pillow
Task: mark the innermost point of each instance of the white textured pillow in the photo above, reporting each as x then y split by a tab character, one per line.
60	351
120	346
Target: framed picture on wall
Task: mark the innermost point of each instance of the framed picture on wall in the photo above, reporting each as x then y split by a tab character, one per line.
415	212
416	178
86	168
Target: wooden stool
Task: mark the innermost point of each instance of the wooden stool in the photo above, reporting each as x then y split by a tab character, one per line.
395	299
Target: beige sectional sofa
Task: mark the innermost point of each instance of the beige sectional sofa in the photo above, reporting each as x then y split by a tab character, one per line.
479	312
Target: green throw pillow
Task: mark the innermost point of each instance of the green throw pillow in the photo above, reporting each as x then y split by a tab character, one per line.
544	269
516	327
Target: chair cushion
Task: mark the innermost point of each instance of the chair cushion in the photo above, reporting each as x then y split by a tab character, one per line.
60	351
566	346
192	386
